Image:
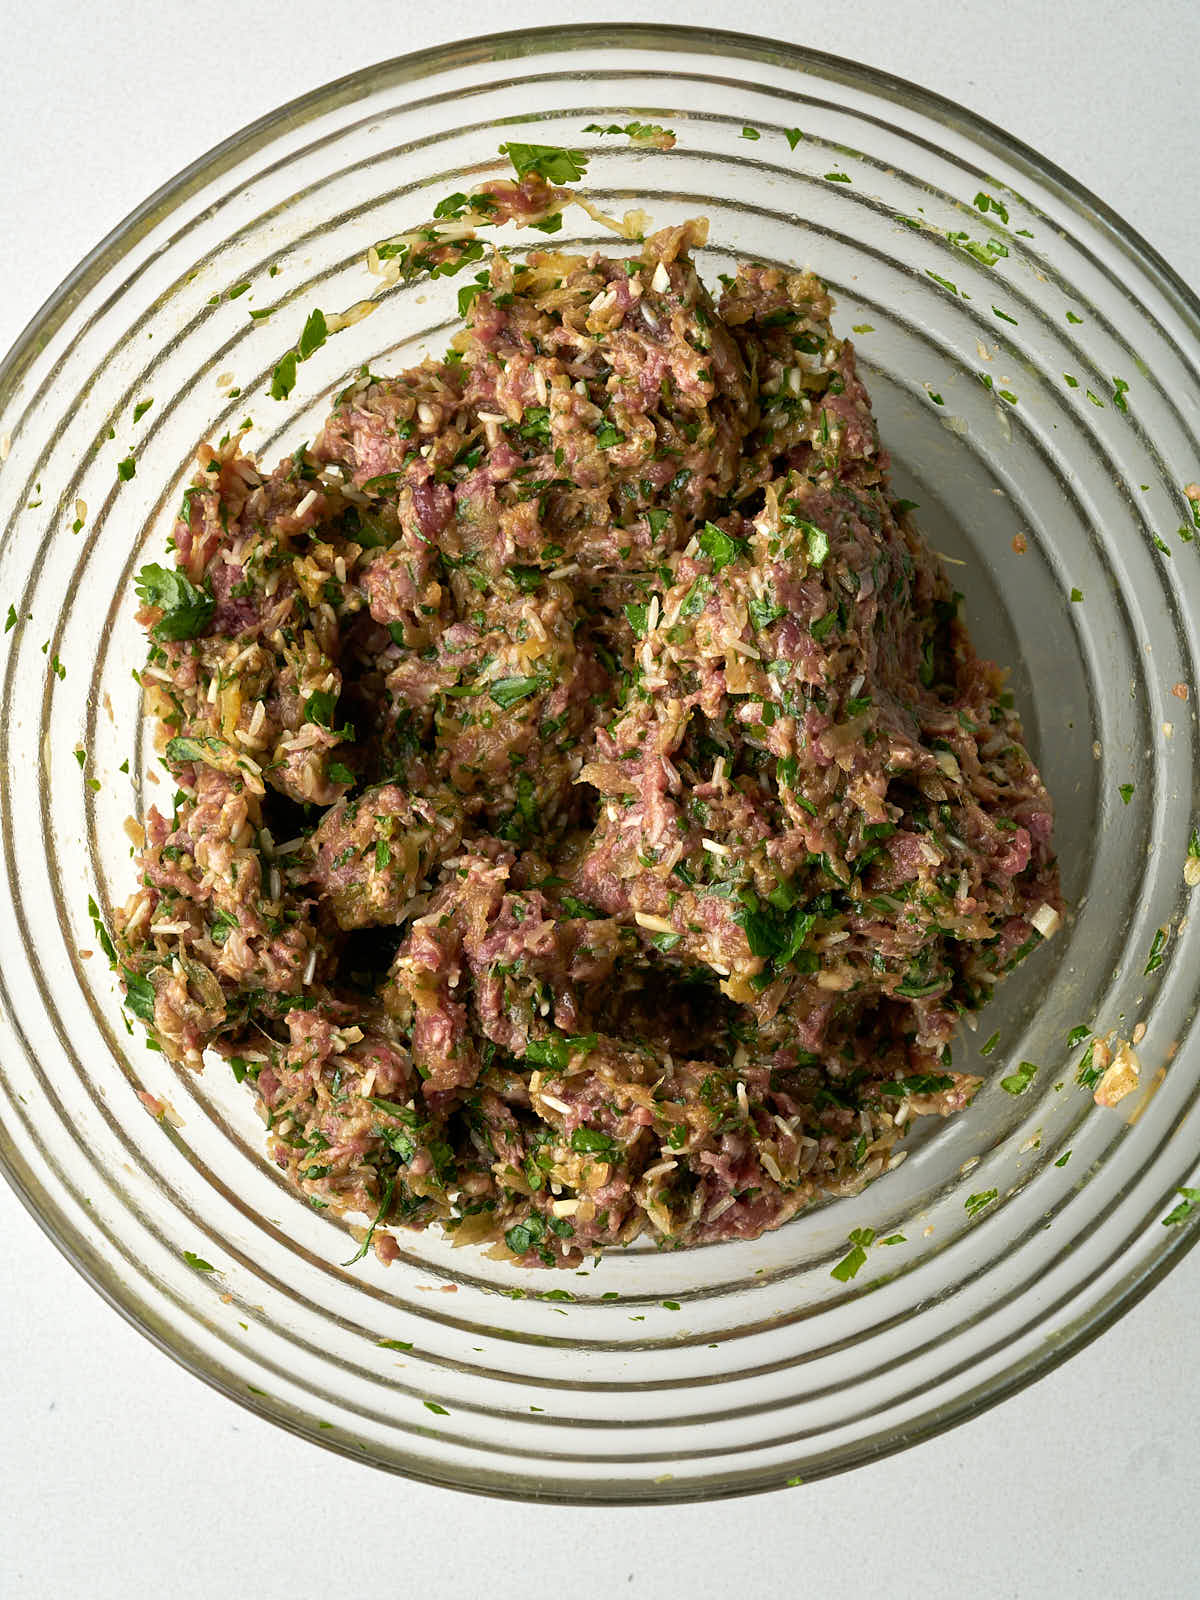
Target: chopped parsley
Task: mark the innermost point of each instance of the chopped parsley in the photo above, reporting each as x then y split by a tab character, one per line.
986	202
1188	1204
313	335
283	379
945	282
639	132
590	1141
1125	790
198	1262
549	161
384	1204
975	1203
186	610
1155	959
1087	1073
1017	1082
720	547
855	1258
507	692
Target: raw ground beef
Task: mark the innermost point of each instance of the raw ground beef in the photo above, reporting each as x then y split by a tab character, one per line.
592	817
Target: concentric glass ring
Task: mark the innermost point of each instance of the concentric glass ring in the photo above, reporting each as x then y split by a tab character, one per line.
994	369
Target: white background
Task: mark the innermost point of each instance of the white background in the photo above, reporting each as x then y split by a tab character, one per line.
121	1474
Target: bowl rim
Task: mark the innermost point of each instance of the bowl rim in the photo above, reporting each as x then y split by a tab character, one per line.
665	38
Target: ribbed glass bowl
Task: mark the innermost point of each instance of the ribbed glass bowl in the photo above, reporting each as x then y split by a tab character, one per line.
652	1376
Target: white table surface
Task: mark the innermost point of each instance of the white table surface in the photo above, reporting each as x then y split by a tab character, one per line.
122	1475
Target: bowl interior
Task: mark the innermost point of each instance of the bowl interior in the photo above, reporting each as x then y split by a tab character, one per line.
654	1375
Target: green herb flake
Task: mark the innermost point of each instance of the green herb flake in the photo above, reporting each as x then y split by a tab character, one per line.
186	610
384	1204
720	547
639	132
671	1305
126	469
438	1411
1004	316
837	177
1063	1159
313	336
1017	1082
975	1203
590	1141
750	133
637	615
1071	317
283	379
549	161
1125	790
1077	1035
862	327
1155	959
1076	596
319	708
139	995
10	621
198	1263
1087	1073
793	137
894	1238
989	1045
1071	382
140	410
986	202
102	934
937	278
506	692
1120	390
855	1258
936	398
1189	1203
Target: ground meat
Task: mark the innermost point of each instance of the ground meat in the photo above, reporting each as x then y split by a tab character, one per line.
370	853
592	816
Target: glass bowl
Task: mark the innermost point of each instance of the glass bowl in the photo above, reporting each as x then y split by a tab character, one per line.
652	1376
